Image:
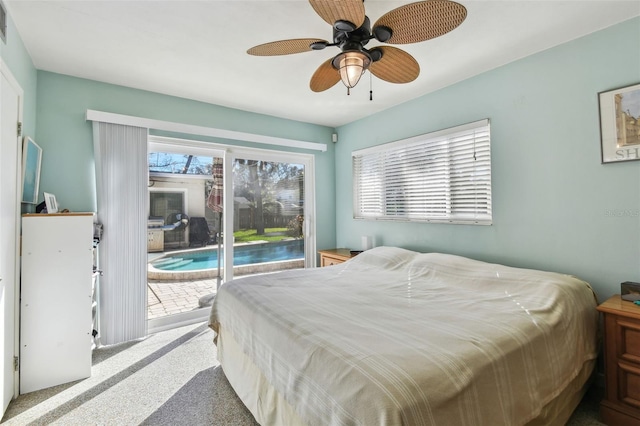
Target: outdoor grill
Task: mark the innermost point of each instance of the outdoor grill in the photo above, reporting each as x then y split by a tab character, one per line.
155	234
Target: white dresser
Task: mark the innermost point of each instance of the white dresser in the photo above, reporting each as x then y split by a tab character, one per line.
56	299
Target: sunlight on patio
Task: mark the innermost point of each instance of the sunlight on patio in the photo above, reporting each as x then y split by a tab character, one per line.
174	297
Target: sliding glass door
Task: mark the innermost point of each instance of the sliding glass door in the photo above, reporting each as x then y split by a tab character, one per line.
268	215
182	232
214	205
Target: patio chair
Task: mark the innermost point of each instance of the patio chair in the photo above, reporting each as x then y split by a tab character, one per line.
199	232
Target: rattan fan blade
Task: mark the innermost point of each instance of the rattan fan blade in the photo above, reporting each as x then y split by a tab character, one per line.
421	21
284	47
334	10
396	66
325	77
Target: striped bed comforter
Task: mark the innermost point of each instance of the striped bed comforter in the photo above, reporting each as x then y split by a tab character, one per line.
395	337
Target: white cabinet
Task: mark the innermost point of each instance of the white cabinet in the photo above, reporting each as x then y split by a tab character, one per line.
155	240
55	299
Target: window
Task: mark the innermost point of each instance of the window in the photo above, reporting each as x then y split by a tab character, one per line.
182	164
165	204
444	176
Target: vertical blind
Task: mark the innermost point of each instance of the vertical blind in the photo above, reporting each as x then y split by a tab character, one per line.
444	176
122	179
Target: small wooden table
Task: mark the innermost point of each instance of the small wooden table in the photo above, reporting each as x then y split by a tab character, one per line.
621	404
334	256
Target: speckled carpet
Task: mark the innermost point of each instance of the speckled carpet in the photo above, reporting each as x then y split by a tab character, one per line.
170	378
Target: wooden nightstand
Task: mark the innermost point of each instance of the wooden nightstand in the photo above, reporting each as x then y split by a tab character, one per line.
334	256
621	404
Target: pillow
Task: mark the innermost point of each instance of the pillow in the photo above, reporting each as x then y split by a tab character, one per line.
384	257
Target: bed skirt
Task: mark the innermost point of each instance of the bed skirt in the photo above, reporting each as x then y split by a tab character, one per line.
270	408
264	402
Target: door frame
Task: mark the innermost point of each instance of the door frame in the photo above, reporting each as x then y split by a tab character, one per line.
229	153
180	146
308	161
6	72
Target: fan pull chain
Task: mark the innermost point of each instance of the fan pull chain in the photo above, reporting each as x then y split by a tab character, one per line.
370	87
348	91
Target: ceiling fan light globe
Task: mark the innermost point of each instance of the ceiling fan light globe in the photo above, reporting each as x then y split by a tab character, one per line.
351	66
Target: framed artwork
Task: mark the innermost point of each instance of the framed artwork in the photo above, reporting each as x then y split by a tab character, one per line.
620	124
31	160
50	202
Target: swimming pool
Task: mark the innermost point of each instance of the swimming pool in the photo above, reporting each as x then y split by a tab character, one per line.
203	263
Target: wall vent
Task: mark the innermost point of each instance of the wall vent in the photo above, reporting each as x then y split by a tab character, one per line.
3	22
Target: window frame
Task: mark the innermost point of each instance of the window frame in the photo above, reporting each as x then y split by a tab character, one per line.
392	160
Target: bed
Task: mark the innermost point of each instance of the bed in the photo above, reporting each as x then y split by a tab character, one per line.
396	337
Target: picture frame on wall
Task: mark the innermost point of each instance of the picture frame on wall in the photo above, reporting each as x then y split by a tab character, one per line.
31	162
620	124
51	203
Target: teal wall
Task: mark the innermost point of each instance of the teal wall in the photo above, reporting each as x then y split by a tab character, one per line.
17	59
67	138
555	206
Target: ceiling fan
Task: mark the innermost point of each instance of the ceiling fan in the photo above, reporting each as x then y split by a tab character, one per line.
411	23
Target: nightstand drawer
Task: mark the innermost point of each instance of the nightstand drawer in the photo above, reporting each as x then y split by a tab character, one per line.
334	256
328	261
629	331
629	384
621	405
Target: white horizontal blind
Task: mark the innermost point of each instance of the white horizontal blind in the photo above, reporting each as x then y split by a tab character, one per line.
443	176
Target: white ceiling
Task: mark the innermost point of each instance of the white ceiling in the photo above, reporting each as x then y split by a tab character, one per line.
197	49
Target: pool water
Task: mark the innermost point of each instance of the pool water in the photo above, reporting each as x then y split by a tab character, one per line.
242	255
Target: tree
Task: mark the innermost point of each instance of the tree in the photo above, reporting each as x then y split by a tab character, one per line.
257	181
247	184
163	162
188	163
257	193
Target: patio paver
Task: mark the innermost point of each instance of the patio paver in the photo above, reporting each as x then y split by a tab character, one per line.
173	297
